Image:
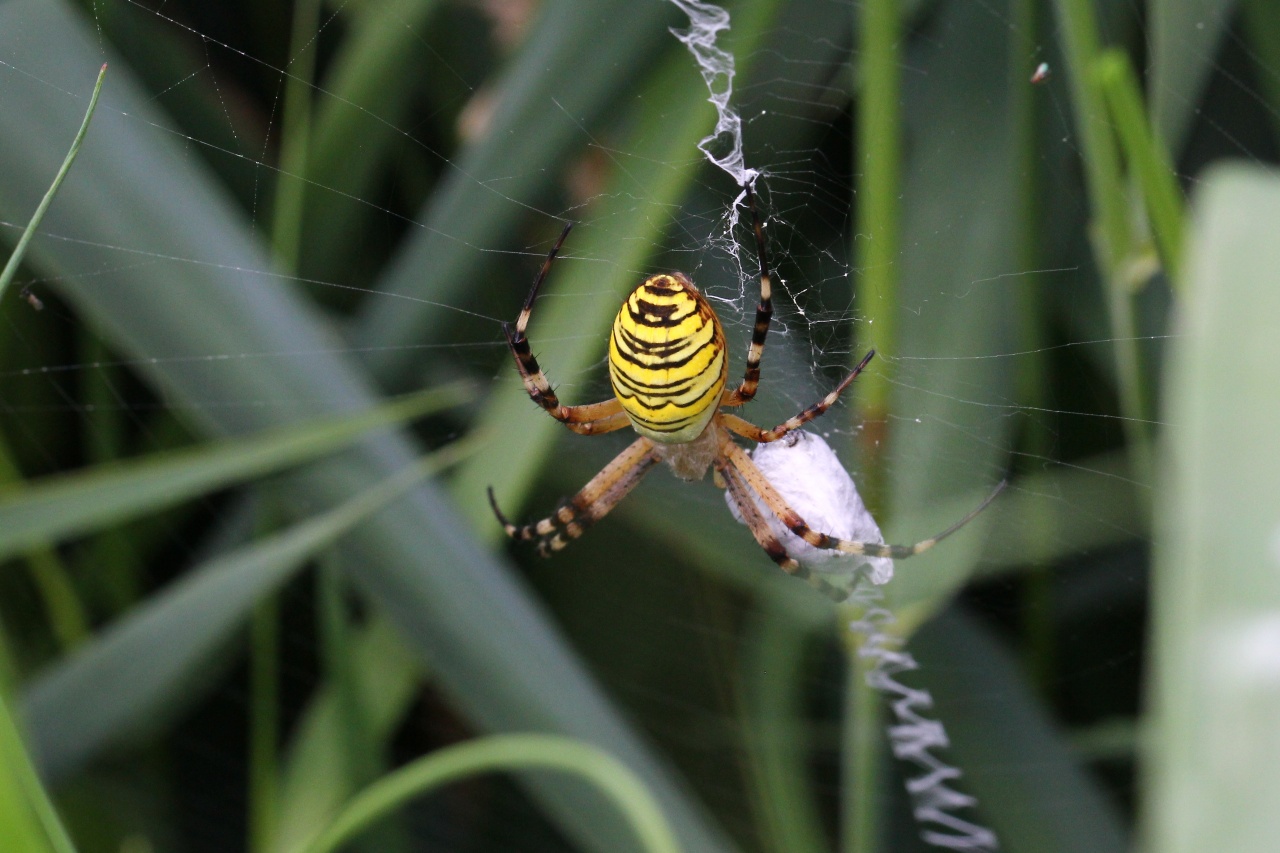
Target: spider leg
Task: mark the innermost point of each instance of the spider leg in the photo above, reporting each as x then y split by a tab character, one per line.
764	314
765	537
592	503
589	419
746	429
759	484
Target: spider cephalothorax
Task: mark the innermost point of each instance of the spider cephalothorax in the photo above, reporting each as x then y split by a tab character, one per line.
669	371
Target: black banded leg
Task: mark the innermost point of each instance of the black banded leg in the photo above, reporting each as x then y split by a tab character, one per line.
592	503
764	315
590	419
765	537
758	483
534	380
746	429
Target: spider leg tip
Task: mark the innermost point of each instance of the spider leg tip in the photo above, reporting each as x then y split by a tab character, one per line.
493	503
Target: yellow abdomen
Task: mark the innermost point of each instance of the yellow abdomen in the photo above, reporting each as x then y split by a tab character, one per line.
667	362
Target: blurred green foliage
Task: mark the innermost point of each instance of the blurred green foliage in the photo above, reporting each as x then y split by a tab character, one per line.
287	212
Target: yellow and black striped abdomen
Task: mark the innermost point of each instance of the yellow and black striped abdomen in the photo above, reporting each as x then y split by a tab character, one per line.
666	359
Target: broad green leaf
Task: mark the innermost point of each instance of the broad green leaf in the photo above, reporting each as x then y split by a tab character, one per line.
69	505
951	310
1214	693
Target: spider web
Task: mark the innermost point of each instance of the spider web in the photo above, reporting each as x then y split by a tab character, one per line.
958	422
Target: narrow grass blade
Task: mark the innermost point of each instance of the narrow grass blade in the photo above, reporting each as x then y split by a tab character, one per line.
1111	232
264	722
505	753
71	504
877	238
290	190
1148	160
776	732
28	820
1214	745
68	621
19	251
315	780
118	684
373	84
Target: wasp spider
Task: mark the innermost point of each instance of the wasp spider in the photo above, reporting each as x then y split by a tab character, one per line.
668	368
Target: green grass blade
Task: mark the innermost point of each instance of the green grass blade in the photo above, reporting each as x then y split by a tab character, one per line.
140	666
1148	160
67	619
20	251
1081	44
1111	233
316	779
776	731
264	723
877	237
72	504
28	821
505	753
290	195
948	320
373	85
1211	756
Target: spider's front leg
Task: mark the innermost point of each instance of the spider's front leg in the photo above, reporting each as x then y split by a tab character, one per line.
591	419
746	429
592	503
746	391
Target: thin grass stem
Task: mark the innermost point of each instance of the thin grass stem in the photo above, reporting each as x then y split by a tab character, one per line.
503	753
19	251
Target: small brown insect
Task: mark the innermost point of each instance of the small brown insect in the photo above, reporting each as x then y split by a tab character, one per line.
31	299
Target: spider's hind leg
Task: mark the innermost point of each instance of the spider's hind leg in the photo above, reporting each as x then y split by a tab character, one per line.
766	539
592	503
743	467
